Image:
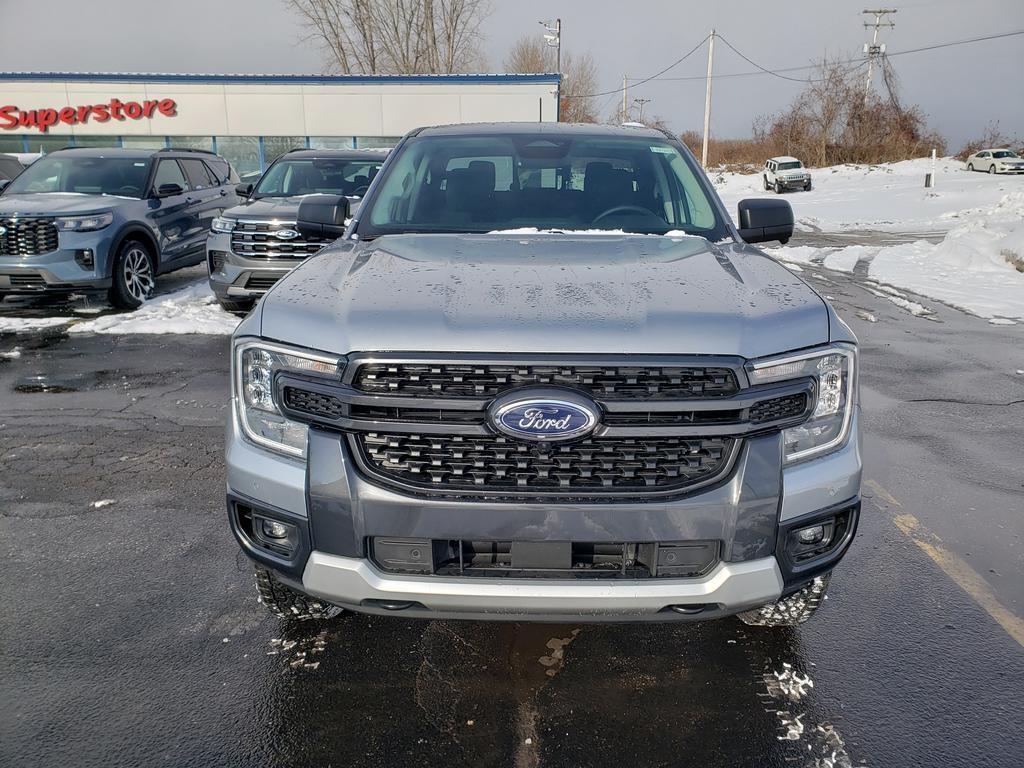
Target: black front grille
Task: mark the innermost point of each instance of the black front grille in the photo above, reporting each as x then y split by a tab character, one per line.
32	282
614	382
261	282
257	239
494	463
778	408
27	237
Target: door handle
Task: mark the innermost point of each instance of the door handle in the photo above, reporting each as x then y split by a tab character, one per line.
191	200
223	193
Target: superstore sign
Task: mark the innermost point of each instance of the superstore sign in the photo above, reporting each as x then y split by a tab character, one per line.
12	118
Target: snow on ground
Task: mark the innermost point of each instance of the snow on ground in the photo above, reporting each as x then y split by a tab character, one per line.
972	268
889	197
22	324
191	310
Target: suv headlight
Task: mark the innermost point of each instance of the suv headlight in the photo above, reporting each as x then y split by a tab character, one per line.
83	223
223	225
255	365
834	370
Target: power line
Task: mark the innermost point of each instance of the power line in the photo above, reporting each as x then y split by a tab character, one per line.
765	70
675	63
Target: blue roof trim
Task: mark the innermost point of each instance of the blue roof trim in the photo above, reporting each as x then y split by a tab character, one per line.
142	77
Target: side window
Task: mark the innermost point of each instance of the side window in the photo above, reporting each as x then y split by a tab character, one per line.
221	172
197	174
169	172
983	154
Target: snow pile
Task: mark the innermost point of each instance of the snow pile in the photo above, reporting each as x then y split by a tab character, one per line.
191	310
22	324
889	197
971	268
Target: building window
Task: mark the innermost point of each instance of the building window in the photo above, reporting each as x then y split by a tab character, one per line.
375	142
97	141
46	144
192	142
144	142
12	143
275	146
243	152
332	142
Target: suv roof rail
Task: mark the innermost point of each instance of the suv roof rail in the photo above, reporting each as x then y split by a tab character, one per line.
187	149
296	149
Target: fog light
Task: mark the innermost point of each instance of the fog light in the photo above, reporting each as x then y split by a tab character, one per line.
274	530
84	258
813	535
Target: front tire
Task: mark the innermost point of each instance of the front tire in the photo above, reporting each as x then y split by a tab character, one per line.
285	603
133	277
807	187
991	170
778	188
790	611
970	167
767	186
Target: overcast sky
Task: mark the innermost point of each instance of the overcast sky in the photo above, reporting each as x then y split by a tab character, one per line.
960	88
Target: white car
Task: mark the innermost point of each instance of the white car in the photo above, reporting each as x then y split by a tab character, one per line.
996	161
785	173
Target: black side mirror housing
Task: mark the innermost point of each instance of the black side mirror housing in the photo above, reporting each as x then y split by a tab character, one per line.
763	220
169	190
322	215
243	190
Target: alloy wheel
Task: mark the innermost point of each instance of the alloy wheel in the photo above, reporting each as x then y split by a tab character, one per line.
138	274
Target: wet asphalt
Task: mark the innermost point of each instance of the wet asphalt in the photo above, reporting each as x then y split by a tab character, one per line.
130	633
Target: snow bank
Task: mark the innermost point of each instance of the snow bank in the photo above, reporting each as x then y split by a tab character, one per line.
21	324
889	197
191	310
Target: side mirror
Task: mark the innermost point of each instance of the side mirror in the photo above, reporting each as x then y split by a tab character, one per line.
169	190
763	220
322	215
4	183
243	190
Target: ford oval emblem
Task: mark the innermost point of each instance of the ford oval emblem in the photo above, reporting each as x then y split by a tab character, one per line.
556	417
3	230
286	234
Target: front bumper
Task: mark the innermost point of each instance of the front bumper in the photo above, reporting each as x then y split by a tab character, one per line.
237	278
59	271
795	183
338	510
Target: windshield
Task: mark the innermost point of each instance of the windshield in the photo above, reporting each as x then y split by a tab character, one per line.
790	166
485	183
309	176
121	176
1004	153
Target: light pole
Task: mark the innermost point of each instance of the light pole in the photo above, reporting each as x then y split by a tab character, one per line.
553	38
707	102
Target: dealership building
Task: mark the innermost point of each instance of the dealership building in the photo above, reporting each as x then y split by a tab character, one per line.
252	119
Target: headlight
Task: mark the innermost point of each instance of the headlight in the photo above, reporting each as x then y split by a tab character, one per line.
255	365
223	225
834	370
83	223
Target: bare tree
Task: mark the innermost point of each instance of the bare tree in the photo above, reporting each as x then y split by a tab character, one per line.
395	36
823	105
579	76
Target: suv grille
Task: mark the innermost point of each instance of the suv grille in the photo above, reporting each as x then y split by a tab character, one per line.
256	239
27	237
611	382
496	463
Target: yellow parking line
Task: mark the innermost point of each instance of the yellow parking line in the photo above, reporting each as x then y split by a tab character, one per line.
969	580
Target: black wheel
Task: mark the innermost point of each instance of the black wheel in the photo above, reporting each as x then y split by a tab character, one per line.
778	187
236	307
807	187
767	186
970	166
285	603
792	610
991	170
133	275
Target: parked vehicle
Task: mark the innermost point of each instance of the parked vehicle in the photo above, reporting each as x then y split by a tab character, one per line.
474	406
995	161
255	244
10	167
785	173
109	219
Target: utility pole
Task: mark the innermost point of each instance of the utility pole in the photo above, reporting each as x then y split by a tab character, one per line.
707	102
553	36
873	49
640	103
625	92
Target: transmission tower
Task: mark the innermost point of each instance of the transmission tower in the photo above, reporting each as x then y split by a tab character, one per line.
875	50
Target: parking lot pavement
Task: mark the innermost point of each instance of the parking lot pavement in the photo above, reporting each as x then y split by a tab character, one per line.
130	633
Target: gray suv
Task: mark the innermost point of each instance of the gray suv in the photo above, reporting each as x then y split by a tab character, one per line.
544	377
109	219
256	244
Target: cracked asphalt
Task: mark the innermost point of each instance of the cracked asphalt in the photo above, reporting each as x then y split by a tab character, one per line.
130	633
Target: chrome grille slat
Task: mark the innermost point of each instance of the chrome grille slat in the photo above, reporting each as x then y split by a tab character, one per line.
27	237
256	240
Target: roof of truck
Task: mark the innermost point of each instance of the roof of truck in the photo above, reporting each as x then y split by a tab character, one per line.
540	129
785	159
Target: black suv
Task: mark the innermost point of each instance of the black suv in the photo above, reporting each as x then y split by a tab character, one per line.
256	244
113	219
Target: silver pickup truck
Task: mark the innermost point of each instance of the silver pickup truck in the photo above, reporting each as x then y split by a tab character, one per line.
542	376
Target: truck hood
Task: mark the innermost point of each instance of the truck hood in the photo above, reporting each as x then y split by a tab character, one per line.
565	293
58	204
284	208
